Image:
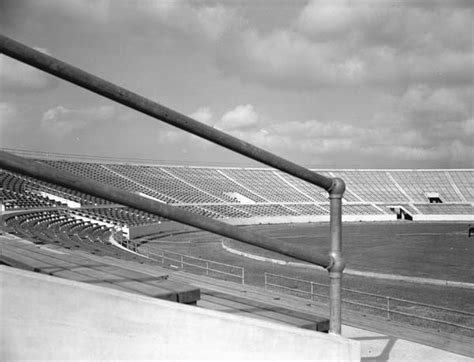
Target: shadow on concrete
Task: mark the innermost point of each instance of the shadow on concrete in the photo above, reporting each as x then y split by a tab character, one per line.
384	354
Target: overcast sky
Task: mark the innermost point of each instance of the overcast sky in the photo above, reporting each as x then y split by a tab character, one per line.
330	84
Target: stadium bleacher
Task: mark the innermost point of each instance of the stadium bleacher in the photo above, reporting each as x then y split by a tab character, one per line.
445	209
249	195
417	184
372	186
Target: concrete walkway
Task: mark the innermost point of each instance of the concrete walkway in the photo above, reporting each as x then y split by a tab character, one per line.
382	347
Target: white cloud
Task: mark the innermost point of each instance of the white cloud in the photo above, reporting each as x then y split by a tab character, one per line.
435	104
389	22
171	136
7	113
316	129
385	139
95	10
468	127
325	18
285	57
199	21
345	54
62	120
203	115
214	21
17	76
242	121
160	9
241	117
340	43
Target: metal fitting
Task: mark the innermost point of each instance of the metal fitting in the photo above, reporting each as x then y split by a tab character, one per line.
337	263
337	188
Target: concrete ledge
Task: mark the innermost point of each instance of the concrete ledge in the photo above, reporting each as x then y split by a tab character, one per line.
269	260
49	318
462	217
162	227
305	219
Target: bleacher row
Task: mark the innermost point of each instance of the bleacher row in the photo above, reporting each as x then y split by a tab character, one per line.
57	226
245	193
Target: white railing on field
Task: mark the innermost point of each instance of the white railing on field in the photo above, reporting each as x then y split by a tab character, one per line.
177	260
210	267
388	306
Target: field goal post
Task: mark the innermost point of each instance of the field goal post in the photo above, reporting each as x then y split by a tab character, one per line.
335	187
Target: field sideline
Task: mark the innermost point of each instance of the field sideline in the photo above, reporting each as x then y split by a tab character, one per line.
430	250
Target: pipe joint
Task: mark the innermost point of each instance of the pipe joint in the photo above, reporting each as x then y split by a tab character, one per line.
337	263
337	188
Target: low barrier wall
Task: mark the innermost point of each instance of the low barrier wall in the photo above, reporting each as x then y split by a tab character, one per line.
72	320
462	217
160	227
168	226
306	219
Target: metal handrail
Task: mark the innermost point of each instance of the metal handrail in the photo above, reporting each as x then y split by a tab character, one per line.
334	186
163	256
145	251
386	308
371	294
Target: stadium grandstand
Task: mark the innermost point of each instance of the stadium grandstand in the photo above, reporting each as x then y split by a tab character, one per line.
244	196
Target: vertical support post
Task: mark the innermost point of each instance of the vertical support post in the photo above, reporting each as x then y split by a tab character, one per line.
243	276
312	291
265	281
388	308
207	268
337	262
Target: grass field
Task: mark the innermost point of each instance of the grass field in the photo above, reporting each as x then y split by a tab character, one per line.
438	251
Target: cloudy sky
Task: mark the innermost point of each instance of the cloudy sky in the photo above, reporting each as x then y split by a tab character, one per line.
325	83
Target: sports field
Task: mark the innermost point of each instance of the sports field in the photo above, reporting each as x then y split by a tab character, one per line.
437	251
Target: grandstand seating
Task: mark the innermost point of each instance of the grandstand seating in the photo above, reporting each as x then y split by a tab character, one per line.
445	209
246	193
418	184
25	200
314	193
125	216
361	210
372	186
464	182
56	226
259	180
214	182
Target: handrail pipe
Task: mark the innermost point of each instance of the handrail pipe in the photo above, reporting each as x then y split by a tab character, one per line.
130	99
334	186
